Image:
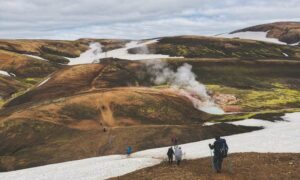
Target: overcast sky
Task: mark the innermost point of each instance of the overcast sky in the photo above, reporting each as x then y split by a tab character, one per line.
136	19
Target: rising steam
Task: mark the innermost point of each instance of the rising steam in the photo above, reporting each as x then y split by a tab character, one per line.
183	80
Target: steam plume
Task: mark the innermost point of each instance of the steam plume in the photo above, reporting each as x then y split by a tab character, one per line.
184	81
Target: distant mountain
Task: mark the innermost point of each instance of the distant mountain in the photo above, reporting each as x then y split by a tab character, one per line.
284	32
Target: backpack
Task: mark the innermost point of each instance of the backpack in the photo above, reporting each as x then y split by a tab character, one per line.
223	149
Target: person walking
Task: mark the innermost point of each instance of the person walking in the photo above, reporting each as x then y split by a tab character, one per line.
170	154
174	140
178	155
220	152
128	151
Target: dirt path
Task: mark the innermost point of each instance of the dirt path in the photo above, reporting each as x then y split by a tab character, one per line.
236	166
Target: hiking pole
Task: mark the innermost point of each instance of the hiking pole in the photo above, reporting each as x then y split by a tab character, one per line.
212	161
229	167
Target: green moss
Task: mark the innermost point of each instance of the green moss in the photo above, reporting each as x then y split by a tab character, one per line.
55	58
155	109
1	102
192	47
32	80
278	97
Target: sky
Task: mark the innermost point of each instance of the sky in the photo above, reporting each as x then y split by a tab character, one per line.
136	19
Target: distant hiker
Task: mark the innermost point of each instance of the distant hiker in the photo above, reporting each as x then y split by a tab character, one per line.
178	155
104	129
170	154
128	151
174	141
220	152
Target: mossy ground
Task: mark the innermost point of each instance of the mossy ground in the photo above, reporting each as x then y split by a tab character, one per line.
276	98
208	47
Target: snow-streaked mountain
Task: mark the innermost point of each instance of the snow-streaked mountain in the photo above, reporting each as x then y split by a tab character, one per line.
278	32
252	35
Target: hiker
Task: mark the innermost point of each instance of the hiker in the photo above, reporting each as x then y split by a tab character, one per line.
220	152
178	155
174	140
128	151
170	154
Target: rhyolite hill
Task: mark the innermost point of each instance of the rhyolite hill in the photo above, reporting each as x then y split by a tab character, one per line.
97	109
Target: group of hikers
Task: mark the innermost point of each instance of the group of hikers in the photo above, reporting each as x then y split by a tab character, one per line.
219	147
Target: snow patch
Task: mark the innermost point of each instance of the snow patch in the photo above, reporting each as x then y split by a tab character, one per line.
286	55
295	44
5	73
36	57
89	56
95	53
43	82
122	53
278	137
252	35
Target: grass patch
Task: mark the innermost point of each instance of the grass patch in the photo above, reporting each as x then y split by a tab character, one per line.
278	97
270	115
204	47
79	111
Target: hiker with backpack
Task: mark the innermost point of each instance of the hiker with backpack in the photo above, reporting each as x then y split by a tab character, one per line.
178	154
220	152
170	154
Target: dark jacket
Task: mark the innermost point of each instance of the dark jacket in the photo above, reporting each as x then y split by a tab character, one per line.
218	145
170	152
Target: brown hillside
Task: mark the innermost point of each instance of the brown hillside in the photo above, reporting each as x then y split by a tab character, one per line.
9	86
82	78
142	117
56	50
116	107
34	136
24	66
236	166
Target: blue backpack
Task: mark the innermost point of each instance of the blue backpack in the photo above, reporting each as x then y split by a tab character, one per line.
129	150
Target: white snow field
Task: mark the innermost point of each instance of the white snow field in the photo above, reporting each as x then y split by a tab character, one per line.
280	136
95	53
4	73
252	35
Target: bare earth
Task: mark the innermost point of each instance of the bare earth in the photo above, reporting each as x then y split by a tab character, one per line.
258	166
